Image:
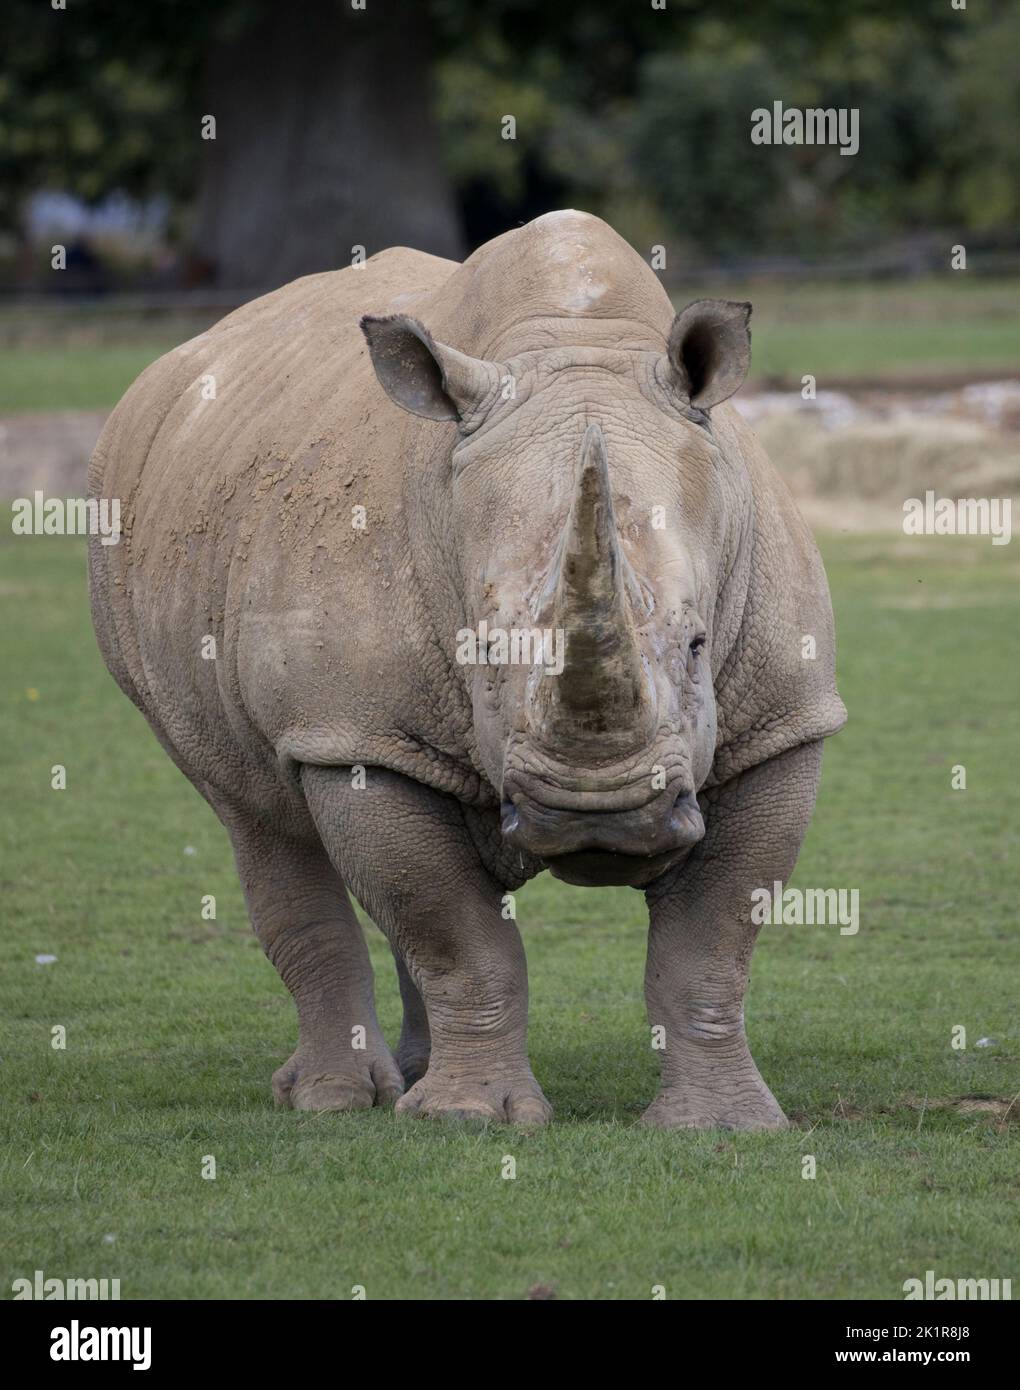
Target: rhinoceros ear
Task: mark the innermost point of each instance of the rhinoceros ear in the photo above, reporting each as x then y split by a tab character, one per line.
709	350
425	377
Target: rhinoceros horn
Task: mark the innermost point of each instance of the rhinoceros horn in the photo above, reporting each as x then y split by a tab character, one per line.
602	696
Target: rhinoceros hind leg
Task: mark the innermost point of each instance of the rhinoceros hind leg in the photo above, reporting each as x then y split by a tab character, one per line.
304	921
415	1043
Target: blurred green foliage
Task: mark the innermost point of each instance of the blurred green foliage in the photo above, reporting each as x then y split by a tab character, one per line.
650	126
638	114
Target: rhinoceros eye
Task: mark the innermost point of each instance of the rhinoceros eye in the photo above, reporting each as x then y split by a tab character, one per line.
694	651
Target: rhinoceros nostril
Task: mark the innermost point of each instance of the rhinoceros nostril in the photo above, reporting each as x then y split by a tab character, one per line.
509	819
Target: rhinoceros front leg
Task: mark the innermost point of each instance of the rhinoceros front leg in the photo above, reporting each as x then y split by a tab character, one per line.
305	924
700	942
407	855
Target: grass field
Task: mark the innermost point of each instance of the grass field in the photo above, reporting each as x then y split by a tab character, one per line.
175	1024
858	330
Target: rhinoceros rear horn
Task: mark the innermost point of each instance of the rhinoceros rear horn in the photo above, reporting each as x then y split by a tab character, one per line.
709	350
425	377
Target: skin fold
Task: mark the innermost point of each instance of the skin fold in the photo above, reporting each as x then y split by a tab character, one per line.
343	476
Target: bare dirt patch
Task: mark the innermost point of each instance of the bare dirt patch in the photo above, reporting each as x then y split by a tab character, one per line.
1002	1111
49	451
851	460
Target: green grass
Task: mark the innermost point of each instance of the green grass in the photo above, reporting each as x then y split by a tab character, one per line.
843	349
882	330
73	377
80	359
174	1025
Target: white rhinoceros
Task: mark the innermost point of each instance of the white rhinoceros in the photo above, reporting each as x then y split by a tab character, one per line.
341	482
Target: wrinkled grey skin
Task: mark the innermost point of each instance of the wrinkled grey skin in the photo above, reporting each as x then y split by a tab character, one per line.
612	493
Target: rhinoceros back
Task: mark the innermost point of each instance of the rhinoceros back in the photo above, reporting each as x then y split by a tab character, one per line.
263	411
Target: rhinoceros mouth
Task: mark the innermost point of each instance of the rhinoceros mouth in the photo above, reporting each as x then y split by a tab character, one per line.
596	869
607	842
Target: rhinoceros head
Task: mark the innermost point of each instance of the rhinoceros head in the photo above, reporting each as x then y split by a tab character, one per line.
589	518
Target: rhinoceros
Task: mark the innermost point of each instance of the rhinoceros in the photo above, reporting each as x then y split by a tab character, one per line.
324	496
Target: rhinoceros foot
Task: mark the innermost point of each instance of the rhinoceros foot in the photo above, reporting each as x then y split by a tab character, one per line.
488	1099
354	1082
754	1109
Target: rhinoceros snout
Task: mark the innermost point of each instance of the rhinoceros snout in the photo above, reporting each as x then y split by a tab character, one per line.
665	826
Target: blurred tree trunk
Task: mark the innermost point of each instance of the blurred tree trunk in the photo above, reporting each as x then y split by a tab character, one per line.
324	141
